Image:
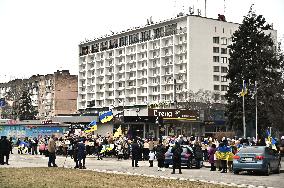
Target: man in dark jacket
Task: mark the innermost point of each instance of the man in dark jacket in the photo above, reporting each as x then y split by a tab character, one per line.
1	151
135	153
81	155
4	150
160	155
198	154
176	150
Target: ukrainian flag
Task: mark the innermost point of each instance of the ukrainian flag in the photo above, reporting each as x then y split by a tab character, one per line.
244	89
91	127
106	117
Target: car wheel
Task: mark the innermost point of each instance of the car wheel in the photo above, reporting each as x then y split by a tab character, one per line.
189	165
236	171
277	171
267	171
166	165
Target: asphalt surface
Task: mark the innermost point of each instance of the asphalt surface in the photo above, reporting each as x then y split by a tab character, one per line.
112	164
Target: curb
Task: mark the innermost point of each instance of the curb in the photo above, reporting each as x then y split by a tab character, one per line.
176	178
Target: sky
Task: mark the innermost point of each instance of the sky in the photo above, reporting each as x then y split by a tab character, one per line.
42	36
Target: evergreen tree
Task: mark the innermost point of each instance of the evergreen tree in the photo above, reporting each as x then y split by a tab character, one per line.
26	110
254	57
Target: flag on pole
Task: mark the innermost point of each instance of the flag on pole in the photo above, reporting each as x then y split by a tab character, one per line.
244	89
106	117
91	127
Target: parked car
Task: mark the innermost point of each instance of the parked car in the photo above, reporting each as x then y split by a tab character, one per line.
187	158
257	159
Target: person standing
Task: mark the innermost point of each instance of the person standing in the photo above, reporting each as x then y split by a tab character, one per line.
160	155
211	153
51	150
2	150
135	153
176	150
81	155
11	145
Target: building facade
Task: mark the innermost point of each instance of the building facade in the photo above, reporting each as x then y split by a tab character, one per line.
51	94
157	63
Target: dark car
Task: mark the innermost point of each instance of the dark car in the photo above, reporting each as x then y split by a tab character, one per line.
187	158
257	159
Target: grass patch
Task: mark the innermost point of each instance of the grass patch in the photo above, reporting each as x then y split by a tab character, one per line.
62	177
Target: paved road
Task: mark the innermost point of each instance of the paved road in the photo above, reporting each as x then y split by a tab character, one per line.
110	164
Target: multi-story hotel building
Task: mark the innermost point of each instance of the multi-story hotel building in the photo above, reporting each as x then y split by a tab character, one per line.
144	65
154	63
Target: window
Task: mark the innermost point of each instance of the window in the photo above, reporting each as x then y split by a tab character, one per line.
102	71
119	76
180	58
119	84
216	69
180	67
216	40
216	87
110	62
158	32
223	79
216	78
224	59
215	29
223	97
166	51
166	42
110	70
224	41
223	50
120	52
110	54
223	30
224	87
120	68
83	89
215	49
154	54
215	58
83	96
131	57
120	60
167	60
224	69
102	56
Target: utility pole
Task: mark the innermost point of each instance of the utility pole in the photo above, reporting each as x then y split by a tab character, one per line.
244	118
255	85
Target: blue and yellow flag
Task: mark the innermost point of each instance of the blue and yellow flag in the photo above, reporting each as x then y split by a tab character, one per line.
244	89
106	117
91	127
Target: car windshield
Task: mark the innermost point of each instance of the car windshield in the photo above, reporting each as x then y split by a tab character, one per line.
252	150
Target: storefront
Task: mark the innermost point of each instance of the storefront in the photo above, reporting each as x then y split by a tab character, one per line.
176	122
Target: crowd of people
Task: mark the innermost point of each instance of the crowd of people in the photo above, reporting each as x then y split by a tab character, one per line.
218	152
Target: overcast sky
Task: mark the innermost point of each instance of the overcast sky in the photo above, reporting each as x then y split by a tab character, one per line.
42	36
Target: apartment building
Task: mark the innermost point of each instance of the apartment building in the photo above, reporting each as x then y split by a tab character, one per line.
159	62
51	94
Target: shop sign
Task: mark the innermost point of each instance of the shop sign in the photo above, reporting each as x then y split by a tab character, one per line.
174	114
